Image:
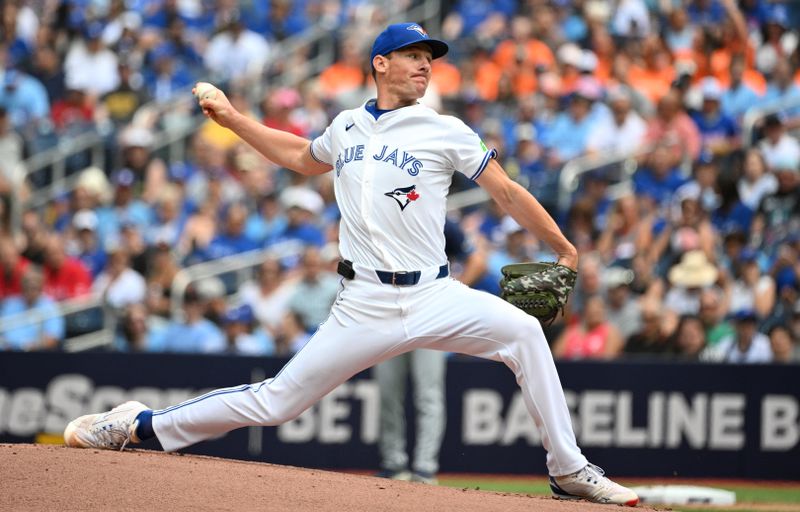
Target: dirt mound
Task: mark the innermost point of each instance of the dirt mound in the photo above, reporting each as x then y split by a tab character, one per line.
41	477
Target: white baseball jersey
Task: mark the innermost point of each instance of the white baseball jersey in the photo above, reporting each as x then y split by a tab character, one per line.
392	178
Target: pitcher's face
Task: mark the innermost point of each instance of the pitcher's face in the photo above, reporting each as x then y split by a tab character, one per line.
408	71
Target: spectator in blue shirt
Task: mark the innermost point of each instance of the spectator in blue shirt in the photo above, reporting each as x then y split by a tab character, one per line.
533	174
185	54
658	179
478	17
135	331
168	76
38	335
782	88
168	225
756	13
739	97
124	209
232	239
566	138
241	336
194	333
303	206
718	131
315	293
25	99
90	252
731	214
267	221
706	13
514	250
279	19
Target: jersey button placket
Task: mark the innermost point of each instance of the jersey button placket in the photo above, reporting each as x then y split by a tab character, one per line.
367	193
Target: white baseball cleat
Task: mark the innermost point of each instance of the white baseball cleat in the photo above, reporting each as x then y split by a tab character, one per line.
590	484
111	430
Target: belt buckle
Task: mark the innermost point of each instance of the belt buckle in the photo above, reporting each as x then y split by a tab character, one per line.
394	276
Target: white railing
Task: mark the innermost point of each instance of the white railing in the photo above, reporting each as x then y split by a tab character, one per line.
56	156
466	198
174	139
754	114
65	308
56	159
569	178
213	268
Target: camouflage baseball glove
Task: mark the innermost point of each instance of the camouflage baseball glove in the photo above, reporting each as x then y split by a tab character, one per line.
539	289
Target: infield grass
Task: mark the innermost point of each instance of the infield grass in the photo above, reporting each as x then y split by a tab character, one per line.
784	497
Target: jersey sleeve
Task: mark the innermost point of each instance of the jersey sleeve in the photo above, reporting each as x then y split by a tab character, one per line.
321	147
465	150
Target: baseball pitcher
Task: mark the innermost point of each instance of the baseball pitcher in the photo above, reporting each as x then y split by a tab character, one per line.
393	160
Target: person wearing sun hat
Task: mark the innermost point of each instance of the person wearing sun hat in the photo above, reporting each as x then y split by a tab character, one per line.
687	279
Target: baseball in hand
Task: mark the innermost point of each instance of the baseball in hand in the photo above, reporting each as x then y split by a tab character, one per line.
205	91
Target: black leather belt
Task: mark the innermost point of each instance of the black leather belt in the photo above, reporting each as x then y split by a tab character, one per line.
399	278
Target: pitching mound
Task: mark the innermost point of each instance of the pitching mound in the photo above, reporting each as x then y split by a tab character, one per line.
40	477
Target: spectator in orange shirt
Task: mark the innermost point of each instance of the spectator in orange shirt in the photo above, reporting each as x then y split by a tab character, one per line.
654	73
620	76
602	44
346	74
728	39
570	59
445	77
521	55
481	75
65	277
523	48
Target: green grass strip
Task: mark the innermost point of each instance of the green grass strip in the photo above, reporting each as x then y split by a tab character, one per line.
745	493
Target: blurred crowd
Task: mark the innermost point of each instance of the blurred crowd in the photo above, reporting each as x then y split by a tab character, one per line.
689	245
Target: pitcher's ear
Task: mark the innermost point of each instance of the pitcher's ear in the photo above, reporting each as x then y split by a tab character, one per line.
380	63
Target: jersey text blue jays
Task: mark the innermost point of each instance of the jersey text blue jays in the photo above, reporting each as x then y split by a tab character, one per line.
400	159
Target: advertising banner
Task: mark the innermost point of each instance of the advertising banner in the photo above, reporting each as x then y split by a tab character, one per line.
633	418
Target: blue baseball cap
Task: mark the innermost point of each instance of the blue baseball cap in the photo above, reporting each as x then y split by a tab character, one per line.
745	315
243	314
748	254
93	30
401	35
778	15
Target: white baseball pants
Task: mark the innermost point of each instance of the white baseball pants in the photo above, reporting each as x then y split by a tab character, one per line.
372	322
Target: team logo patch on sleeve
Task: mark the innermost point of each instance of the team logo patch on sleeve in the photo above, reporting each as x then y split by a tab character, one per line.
404	196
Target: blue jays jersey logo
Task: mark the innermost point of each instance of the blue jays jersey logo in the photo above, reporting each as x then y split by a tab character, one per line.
403	196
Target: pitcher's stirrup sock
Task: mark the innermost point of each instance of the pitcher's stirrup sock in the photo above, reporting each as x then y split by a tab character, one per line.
144	428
